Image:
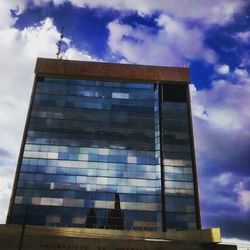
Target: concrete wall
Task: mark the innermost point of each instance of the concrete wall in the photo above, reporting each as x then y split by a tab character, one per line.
47	238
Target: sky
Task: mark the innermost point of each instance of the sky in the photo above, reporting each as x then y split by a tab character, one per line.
211	36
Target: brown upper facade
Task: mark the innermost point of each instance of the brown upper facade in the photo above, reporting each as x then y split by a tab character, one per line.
110	71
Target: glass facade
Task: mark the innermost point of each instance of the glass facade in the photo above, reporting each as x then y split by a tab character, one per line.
102	154
177	162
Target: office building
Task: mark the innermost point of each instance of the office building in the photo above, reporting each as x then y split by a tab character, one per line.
107	146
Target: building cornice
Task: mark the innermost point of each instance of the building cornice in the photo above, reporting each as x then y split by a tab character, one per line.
111	71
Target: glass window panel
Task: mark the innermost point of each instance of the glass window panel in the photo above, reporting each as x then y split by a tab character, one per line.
52	155
120	95
81	179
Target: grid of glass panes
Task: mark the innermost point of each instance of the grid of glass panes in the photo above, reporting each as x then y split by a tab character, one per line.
178	175
90	144
158	148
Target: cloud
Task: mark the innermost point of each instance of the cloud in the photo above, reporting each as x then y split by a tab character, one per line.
241	72
243	36
174	44
19	49
223	179
221	126
4	153
230	200
245	200
230	113
238	242
223	69
243	191
6	182
245	62
74	53
7	18
207	12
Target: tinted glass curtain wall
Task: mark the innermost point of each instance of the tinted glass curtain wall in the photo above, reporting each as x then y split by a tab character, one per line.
106	154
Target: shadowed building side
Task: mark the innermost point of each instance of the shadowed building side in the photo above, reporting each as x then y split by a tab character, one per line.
116	218
91	218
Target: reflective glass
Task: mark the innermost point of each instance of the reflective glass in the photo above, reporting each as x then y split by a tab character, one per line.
92	157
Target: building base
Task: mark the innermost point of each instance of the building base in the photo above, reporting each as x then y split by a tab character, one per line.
16	237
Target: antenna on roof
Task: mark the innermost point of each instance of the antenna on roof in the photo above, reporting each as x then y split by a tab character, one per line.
59	45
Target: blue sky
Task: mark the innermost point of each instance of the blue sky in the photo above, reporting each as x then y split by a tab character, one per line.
212	36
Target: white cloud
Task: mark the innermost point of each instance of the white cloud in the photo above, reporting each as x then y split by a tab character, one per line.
241	72
6	183
19	50
244	200
223	69
242	244
42	2
244	36
245	62
174	44
229	113
221	127
243	192
208	12
223	179
6	7
74	53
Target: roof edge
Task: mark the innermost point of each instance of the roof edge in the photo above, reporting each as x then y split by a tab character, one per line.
105	70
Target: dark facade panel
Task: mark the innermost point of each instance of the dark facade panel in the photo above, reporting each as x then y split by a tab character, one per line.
174	92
